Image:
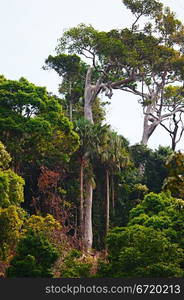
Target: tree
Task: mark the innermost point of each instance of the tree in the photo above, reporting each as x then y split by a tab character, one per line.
163	67
109	70
141	8
113	157
31	119
71	69
91	140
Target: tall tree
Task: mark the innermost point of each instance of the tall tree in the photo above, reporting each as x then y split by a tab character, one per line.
161	67
70	68
89	143
113	157
108	70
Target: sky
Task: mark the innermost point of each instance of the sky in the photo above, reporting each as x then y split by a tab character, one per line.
29	31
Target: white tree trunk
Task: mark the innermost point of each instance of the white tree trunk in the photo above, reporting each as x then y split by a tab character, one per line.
149	126
90	94
88	104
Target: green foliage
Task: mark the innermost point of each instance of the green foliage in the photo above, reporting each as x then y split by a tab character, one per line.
103	48
5	157
11	185
161	212
91	137
11	189
169	27
142	7
140	219
64	65
34	258
175	180
152	204
32	124
139	251
74	266
152	243
11	221
154	163
112	152
46	225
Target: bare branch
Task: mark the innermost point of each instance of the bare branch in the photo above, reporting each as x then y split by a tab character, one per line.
165	127
179	109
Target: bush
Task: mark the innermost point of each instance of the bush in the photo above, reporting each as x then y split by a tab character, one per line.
74	267
11	221
11	189
139	251
35	257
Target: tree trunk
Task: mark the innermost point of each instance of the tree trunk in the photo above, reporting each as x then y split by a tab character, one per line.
173	143
174	133
70	111
81	197
107	202
89	96
70	102
88	234
113	198
88	105
145	136
150	124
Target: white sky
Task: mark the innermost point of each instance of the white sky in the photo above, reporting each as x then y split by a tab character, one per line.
29	30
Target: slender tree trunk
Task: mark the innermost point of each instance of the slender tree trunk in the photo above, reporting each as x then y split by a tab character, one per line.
70	102
70	111
112	194
107	201
173	143
174	133
88	234
81	197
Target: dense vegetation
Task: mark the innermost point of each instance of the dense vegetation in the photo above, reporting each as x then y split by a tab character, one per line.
76	199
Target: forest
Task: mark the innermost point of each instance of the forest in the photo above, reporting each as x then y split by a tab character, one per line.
77	200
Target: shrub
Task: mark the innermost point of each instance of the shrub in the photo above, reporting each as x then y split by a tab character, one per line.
139	251
74	266
35	257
